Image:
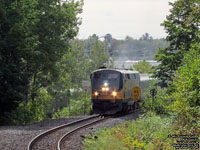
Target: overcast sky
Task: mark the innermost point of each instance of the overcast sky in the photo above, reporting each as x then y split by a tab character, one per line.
124	17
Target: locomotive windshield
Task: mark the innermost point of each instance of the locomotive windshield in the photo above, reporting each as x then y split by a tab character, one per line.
112	79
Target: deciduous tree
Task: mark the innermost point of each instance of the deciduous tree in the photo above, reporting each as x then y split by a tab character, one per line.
182	27
143	67
34	34
187	88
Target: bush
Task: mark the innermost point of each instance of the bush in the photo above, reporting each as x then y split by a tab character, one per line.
144	133
159	104
78	105
103	140
143	67
31	112
187	90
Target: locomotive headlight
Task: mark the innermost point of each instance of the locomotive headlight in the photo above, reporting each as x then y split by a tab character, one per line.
107	89
105	84
114	93
96	93
103	89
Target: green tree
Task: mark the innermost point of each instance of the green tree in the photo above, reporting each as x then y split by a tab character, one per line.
143	67
55	30
17	20
74	67
146	37
187	89
34	35
99	55
182	27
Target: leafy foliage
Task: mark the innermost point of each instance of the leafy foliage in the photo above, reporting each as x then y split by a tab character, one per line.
97	52
182	26
143	67
186	86
146	37
72	71
34	35
79	105
14	42
159	104
76	66
31	112
144	133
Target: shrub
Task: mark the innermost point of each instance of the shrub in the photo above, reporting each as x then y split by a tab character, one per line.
187	89
78	105
31	112
159	104
144	133
143	67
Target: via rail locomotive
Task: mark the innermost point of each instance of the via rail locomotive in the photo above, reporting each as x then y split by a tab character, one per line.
116	90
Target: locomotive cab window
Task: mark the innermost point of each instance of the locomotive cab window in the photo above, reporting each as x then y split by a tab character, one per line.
135	76
131	76
97	75
113	76
127	76
113	80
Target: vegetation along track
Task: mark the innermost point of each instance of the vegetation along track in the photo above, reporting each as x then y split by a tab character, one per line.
49	138
64	143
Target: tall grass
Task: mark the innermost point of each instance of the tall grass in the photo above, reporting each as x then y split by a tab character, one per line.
147	133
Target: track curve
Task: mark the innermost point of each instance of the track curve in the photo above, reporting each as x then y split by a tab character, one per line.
48	132
64	137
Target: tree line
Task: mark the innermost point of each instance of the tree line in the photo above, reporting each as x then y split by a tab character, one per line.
40	59
133	49
34	35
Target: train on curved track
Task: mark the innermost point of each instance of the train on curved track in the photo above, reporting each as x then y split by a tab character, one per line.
115	90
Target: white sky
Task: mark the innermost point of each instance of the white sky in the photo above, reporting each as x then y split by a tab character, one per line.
123	17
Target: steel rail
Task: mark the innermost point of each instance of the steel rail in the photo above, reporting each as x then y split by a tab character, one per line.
64	137
40	136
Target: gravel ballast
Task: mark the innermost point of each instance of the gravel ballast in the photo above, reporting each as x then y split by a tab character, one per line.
18	137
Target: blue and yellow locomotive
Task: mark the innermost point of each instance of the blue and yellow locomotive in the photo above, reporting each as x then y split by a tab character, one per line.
115	90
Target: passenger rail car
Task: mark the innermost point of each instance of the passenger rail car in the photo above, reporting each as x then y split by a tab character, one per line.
115	90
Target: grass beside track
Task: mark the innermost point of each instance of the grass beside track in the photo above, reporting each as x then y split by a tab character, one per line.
144	133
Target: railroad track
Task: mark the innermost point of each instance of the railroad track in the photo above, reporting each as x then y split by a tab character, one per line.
64	141
67	135
46	140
